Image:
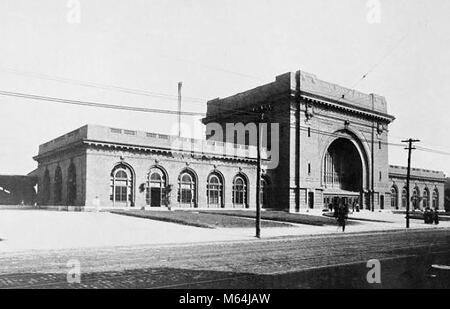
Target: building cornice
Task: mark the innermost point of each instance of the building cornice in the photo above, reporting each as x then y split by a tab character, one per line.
317	99
416	178
146	149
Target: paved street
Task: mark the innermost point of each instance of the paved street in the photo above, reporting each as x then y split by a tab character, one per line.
294	262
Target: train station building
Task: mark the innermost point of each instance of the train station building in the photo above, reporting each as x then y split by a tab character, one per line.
320	141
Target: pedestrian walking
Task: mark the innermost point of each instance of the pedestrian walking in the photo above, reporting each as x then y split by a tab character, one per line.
428	216
436	217
342	215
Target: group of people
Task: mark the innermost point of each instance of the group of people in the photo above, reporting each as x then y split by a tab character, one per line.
431	216
341	211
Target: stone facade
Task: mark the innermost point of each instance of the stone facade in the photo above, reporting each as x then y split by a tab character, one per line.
426	188
332	140
97	154
321	143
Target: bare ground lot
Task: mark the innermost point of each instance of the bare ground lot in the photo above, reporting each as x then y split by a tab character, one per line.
31	230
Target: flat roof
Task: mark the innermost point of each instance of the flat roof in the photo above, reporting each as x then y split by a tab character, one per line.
116	136
416	172
286	83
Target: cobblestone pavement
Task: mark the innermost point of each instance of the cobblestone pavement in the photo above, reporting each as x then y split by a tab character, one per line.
320	261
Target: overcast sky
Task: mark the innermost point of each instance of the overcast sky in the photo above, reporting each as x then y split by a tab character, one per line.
218	48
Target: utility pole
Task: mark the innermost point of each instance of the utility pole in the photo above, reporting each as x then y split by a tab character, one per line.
180	84
298	102
258	178
261	110
408	175
372	153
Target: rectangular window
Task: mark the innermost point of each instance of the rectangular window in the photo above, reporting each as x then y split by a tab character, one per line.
121	194
186	196
113	130
311	200
238	197
309	132
381	176
379	144
117	197
214	197
309	168
376	200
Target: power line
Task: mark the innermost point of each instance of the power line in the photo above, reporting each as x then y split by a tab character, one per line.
214	68
133	108
433	151
378	63
304	128
100	86
95	104
173	112
382	59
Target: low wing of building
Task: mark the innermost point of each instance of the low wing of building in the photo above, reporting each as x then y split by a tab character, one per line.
96	166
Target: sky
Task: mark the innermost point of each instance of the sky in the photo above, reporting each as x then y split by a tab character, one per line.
217	48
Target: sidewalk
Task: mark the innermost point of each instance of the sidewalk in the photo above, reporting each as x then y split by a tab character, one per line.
25	230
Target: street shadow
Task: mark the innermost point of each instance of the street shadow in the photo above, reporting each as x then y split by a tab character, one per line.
414	273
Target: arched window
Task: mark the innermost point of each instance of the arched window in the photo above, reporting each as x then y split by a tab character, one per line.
404	198
122	186
46	188
436	199
394	197
426	198
240	191
71	185
215	190
187	189
156	183
264	194
416	198
58	186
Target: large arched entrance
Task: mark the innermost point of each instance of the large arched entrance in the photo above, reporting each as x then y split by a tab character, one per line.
344	172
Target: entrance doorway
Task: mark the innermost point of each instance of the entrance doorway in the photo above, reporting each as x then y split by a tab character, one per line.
343	172
155	186
311	200
352	201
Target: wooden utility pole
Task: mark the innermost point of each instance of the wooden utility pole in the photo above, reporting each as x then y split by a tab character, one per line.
372	159
408	175
260	118
258	178
180	84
